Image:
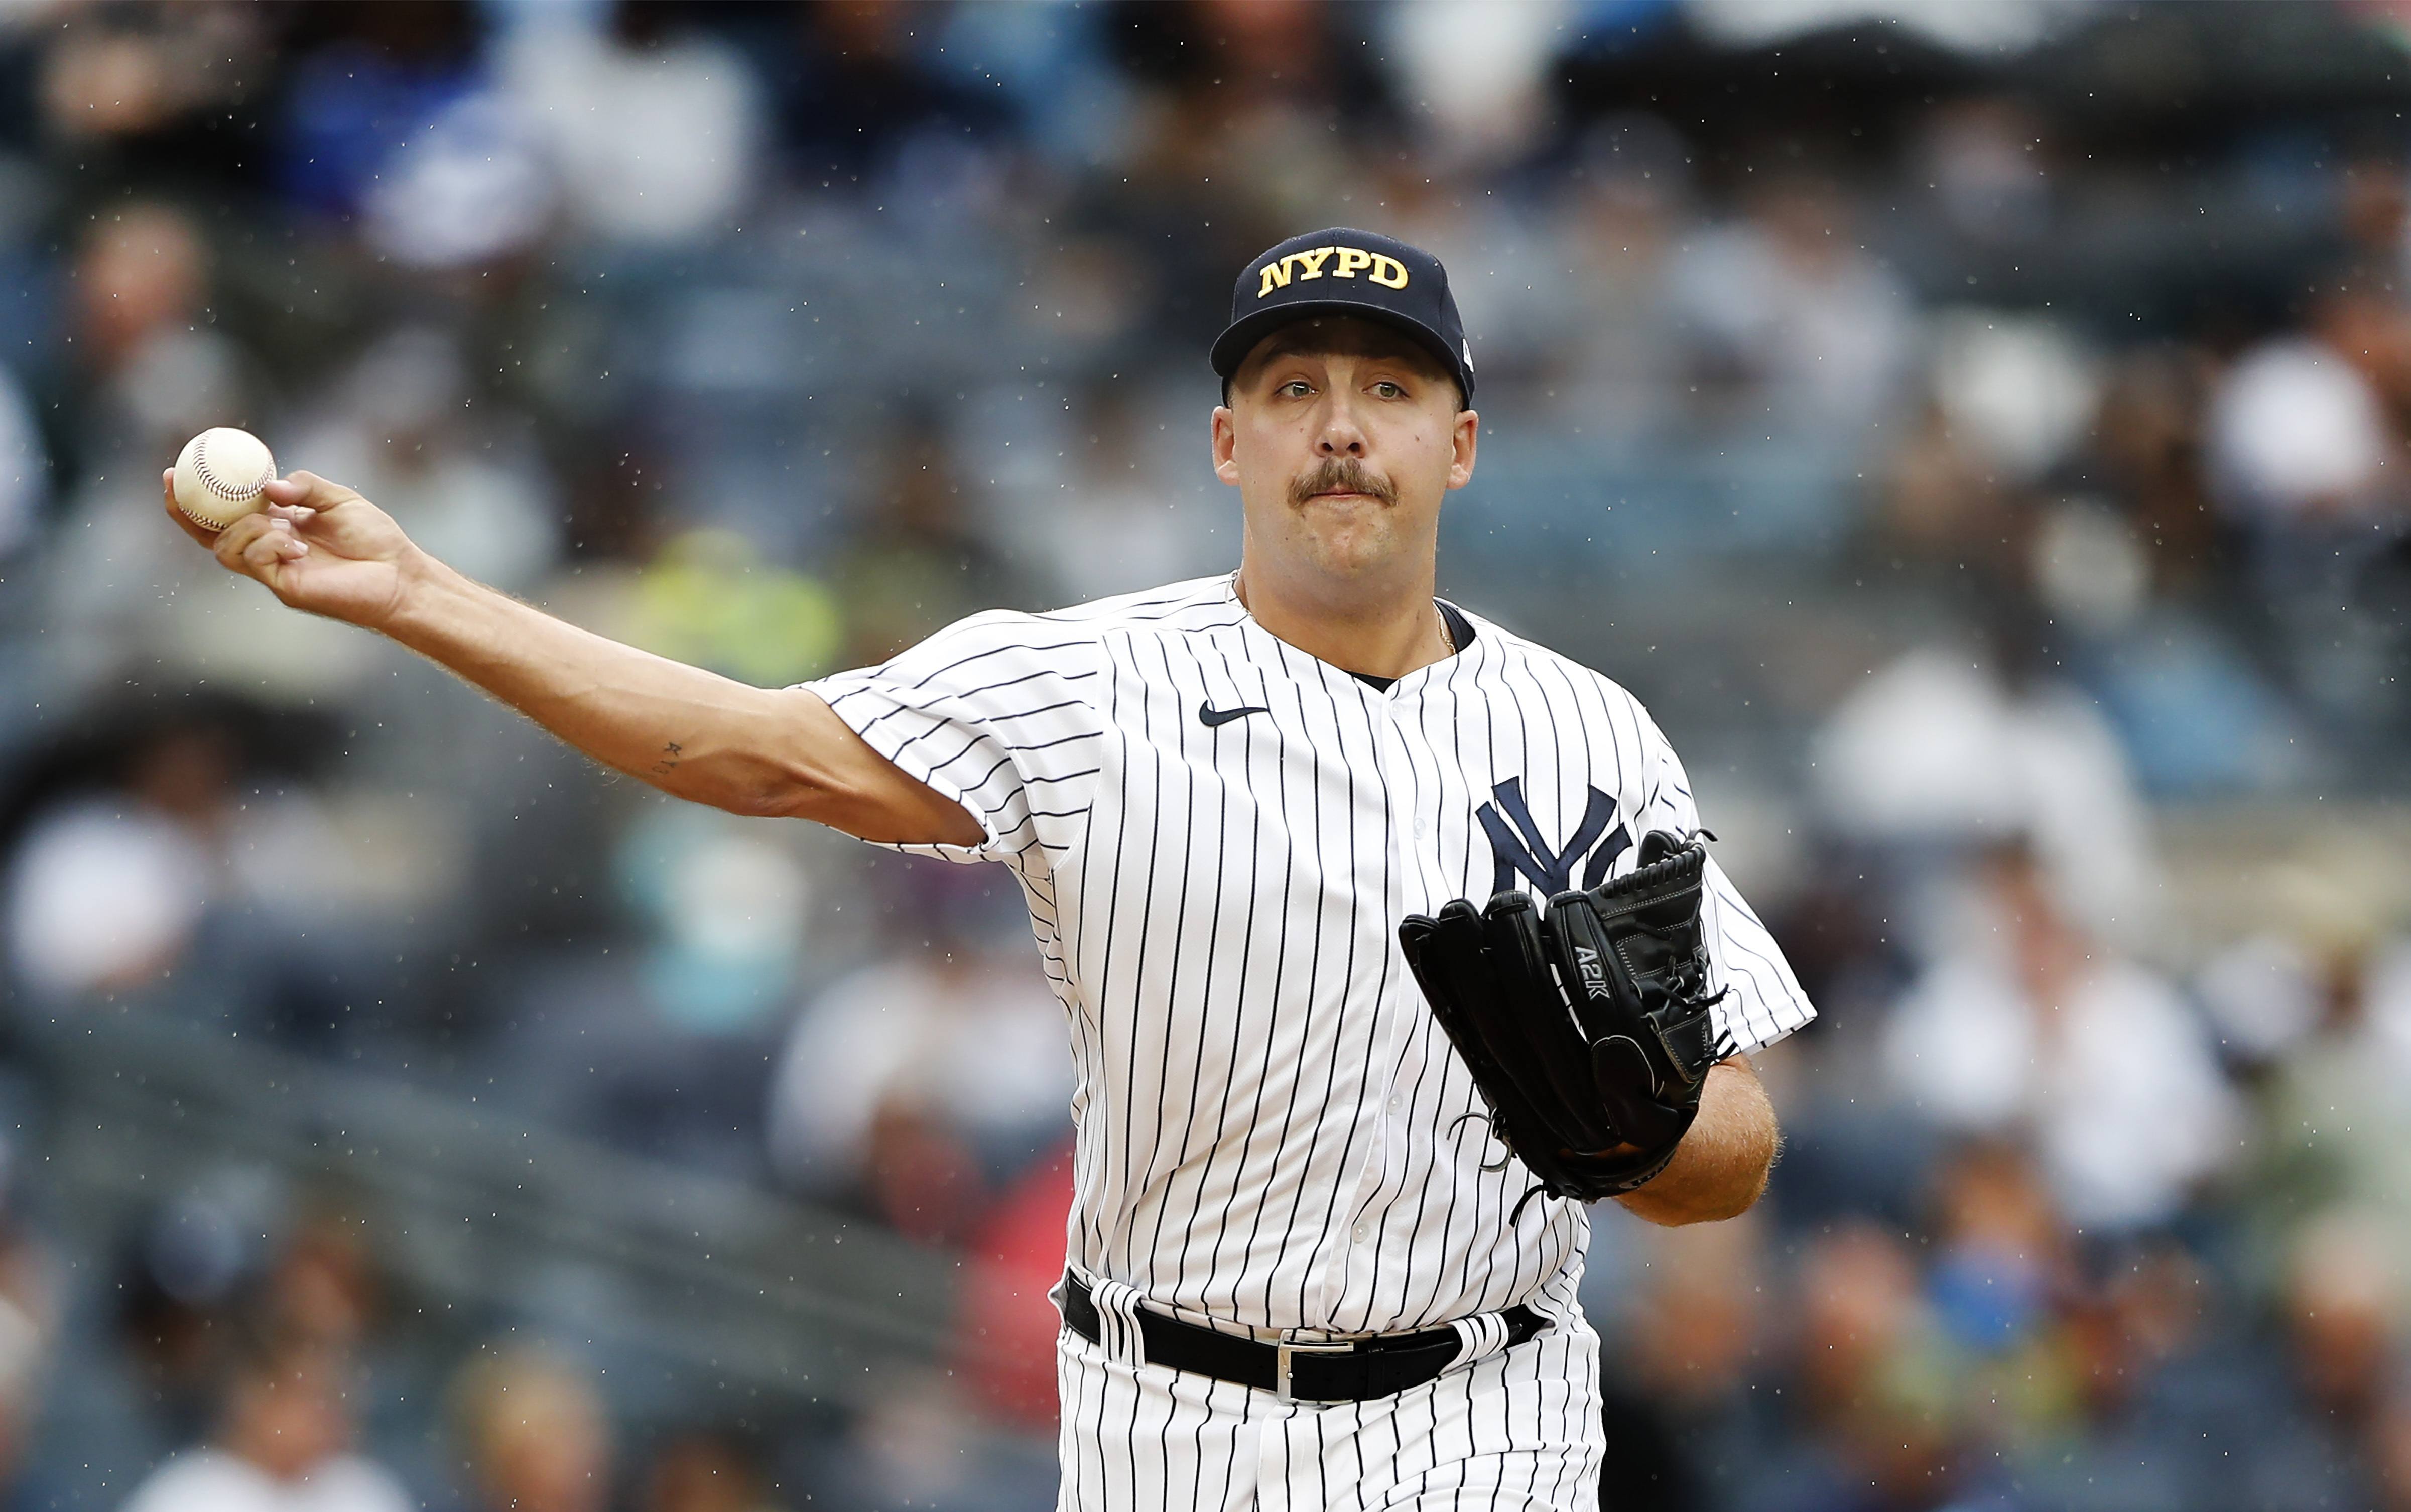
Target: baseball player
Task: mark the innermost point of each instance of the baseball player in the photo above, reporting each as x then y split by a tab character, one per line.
1318	1257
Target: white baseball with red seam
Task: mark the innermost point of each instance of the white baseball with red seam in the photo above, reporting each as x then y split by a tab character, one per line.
219	477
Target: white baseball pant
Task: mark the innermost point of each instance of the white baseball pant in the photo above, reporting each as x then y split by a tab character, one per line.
1518	1428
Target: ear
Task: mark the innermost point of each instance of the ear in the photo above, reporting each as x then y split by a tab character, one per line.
1226	445
1468	433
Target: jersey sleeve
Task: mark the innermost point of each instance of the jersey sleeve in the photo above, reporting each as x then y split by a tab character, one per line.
1764	1000
995	712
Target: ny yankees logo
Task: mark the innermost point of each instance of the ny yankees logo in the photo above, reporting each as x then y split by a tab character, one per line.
1522	848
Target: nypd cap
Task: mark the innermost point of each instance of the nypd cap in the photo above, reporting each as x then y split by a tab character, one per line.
1343	271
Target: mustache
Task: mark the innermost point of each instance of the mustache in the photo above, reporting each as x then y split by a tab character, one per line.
1341	475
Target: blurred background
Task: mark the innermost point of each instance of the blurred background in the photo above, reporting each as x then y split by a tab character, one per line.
1980	430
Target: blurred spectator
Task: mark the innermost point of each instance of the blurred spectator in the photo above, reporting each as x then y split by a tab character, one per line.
160	91
654	126
924	1082
1480	68
1793	325
2302	428
2008	397
148	370
2029	1027
284	1425
2000	1268
2338	1127
103	895
1111	526
364	77
110	885
1877	1387
323	1288
2344	1300
853	94
701	1471
1617	365
712	598
1937	750
913	1443
1985	160
2018	389
917	561
1007	1325
533	1432
2341	1307
1682	1429
2310	434
2148	450
727	904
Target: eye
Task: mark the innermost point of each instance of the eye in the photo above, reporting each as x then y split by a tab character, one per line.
1295	388
1389	389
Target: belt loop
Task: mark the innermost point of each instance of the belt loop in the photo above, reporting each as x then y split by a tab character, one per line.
1484	1333
1117	1330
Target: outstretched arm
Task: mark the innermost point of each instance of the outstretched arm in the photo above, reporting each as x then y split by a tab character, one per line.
691	733
1720	1167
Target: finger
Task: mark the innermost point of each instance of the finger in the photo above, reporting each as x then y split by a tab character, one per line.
190	526
308	490
271	549
231	544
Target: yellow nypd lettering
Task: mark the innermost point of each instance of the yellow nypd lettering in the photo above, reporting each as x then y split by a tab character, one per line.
1387	272
1311	261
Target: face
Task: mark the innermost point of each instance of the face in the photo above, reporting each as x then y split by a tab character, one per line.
1342	436
287	1418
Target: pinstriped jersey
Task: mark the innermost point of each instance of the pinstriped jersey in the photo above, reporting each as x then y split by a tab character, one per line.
1218	835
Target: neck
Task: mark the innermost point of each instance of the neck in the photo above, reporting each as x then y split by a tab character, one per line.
1388	633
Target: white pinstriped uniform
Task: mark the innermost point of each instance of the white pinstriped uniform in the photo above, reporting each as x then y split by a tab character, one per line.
1272	1130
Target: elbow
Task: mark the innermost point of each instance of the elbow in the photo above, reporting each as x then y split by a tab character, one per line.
750	788
1701	1206
1720	1183
1736	1199
787	793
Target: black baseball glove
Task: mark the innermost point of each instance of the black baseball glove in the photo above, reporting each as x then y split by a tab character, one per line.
1585	1026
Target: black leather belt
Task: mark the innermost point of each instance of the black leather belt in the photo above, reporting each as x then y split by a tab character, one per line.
1341	1369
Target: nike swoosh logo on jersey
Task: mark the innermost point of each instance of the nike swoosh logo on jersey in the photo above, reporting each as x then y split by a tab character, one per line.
1210	716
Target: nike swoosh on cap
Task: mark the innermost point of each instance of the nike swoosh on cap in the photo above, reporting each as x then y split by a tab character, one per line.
1210	716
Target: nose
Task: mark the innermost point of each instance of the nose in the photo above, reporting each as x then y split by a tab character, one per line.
1342	436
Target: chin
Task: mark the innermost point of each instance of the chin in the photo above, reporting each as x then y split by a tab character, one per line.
1350	553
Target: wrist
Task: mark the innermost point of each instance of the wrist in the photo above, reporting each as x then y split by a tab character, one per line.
423	585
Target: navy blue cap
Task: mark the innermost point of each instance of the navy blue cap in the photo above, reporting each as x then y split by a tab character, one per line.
1343	271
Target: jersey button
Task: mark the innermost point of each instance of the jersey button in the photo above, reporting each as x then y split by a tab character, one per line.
1363	1233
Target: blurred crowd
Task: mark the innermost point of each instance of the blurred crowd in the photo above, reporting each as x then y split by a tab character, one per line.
1983	437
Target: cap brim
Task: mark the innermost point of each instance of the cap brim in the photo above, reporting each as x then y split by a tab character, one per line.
1231	347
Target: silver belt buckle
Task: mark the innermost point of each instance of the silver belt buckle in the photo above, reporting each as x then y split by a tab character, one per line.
1282	1351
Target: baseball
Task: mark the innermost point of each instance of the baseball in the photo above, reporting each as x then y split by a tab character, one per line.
219	476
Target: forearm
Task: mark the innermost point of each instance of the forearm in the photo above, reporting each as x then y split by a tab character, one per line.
689	732
696	735
1720	1167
